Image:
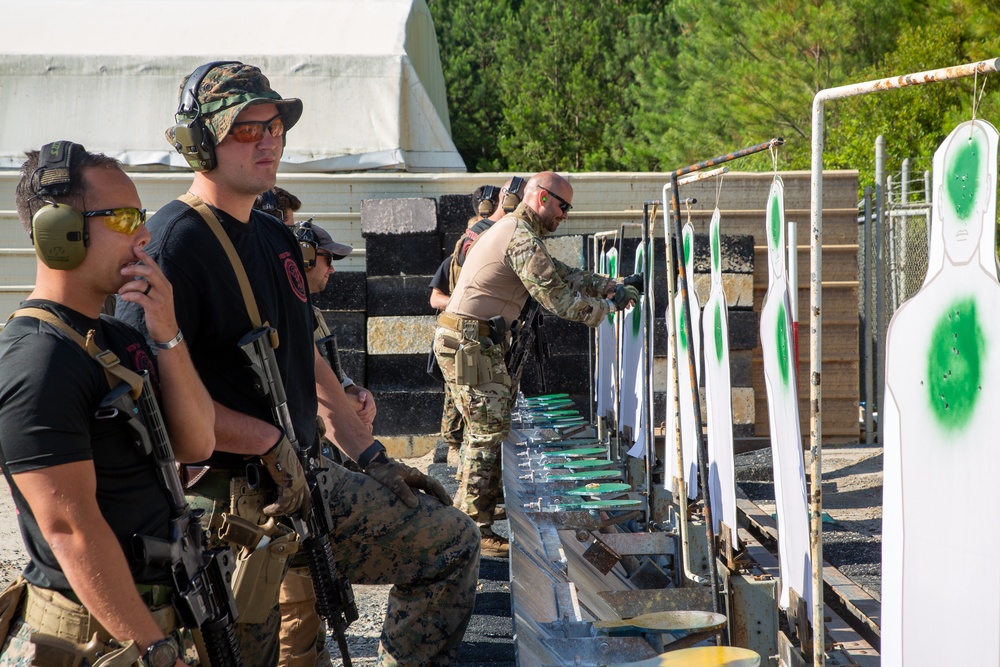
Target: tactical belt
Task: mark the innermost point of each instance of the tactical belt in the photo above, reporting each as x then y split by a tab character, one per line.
455	323
50	612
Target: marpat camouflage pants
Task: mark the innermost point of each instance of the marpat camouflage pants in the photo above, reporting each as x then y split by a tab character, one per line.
485	411
430	555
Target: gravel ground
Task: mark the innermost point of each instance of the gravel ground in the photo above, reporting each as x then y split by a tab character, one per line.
852	496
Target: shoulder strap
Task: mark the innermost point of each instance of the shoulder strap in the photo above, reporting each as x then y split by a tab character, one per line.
195	202
108	360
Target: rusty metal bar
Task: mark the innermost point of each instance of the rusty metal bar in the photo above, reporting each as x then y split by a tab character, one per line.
682	285
816	303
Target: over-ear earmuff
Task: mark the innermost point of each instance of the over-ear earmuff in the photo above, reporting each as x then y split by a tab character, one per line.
58	231
512	198
191	138
488	201
306	237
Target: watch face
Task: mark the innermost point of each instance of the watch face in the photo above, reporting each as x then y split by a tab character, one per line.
161	654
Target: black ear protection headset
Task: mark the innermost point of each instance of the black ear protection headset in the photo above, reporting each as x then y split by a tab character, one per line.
58	231
191	138
268	203
488	201
512	198
308	244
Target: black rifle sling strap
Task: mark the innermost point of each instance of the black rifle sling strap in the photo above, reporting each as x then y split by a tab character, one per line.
195	202
113	368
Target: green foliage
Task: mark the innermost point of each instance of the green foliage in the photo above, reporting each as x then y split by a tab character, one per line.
659	84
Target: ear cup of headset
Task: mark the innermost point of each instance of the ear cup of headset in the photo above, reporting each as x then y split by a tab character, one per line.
59	234
486	208
308	254
193	141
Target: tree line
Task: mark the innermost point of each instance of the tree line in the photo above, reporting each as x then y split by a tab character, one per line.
653	85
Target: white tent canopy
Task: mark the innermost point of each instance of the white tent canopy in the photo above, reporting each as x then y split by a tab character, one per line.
105	73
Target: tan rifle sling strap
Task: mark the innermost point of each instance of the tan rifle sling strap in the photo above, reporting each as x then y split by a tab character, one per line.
113	368
195	202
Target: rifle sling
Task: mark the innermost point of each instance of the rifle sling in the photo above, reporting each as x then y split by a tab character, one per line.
113	368
195	202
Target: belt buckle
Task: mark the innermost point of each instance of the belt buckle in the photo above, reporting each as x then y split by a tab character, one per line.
470	329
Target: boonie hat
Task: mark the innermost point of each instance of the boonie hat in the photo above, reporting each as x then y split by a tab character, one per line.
310	233
228	89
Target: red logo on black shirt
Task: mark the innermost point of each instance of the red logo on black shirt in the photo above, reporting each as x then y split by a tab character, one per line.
295	278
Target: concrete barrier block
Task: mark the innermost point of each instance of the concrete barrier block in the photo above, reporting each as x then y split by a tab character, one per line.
405	413
348	327
399	295
567	249
400	372
411	215
454	212
400	335
738	288
395	255
346	290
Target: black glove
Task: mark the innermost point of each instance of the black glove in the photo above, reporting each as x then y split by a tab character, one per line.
635	280
624	295
401	478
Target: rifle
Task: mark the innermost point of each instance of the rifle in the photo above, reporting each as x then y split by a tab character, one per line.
329	350
334	596
526	334
201	577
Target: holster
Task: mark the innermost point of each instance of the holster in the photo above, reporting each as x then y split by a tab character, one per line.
471	365
262	550
10	604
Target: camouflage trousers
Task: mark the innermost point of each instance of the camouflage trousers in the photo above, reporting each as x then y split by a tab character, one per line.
485	410
430	556
452	427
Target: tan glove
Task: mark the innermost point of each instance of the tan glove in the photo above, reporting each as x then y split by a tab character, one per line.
401	479
282	463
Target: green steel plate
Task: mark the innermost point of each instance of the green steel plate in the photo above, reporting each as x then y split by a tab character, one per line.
579	464
597	489
582	475
573	453
597	504
545	397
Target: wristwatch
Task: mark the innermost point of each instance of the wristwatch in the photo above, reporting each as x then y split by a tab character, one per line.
162	653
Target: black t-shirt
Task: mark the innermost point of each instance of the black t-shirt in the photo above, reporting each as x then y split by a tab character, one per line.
442	276
212	315
50	389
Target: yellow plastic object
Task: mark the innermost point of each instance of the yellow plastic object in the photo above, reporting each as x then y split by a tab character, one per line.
700	656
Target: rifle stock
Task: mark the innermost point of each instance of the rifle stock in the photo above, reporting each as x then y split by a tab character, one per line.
526	335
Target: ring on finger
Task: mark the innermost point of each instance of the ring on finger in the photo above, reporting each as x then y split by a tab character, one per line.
149	286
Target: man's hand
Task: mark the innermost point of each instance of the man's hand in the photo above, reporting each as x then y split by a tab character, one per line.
635	280
402	478
624	297
364	405
282	463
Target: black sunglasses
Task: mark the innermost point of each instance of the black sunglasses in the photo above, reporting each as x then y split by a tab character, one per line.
564	205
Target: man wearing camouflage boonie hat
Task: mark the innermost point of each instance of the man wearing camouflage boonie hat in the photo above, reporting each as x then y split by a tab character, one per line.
386	531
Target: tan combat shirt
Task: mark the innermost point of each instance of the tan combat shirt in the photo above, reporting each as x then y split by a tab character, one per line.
509	262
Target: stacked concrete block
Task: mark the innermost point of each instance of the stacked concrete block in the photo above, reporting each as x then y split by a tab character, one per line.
403	245
343	304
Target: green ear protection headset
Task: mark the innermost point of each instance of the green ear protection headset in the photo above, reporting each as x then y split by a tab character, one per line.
58	231
511	198
191	138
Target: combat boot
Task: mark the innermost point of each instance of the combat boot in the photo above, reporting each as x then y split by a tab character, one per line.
494	546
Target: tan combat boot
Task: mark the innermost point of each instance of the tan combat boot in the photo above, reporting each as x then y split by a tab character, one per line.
494	546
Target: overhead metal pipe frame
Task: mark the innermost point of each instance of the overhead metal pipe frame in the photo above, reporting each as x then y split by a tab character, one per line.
816	303
682	286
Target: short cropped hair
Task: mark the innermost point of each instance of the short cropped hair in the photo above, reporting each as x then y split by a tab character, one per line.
26	195
286	199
